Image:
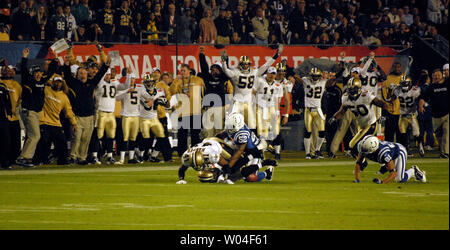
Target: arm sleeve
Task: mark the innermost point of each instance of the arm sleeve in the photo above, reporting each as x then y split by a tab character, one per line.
265	66
24	72
99	76
366	67
229	72
203	64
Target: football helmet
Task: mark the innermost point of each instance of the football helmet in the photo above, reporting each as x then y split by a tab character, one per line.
34	69
280	67
244	64
315	74
368	144
148	80
208	175
354	87
405	83
193	158
234	122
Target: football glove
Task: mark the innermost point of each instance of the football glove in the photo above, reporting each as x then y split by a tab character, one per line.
377	181
332	120
181	182
224	56
161	101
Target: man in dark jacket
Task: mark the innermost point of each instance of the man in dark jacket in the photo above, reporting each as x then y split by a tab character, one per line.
33	83
5	111
217	88
81	96
331	102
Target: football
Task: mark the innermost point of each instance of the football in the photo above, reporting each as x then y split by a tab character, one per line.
252	178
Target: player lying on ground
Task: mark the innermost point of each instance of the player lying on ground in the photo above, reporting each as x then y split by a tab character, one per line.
209	158
393	155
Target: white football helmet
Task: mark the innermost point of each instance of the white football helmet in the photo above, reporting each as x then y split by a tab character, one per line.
234	122
368	144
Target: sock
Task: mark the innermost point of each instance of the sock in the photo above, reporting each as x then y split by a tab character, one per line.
94	154
277	149
122	155
155	153
109	155
319	143
131	154
409	173
307	142
261	176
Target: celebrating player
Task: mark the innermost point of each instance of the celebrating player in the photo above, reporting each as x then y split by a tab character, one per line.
393	155
243	79
360	103
314	86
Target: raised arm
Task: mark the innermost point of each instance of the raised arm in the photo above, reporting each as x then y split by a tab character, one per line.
269	62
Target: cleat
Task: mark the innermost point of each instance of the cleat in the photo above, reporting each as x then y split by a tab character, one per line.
271	149
220	179
318	155
83	163
269	162
121	162
228	181
419	174
348	153
132	161
277	156
421	150
111	161
269	172
428	148
154	159
309	157
443	155
26	163
331	155
96	161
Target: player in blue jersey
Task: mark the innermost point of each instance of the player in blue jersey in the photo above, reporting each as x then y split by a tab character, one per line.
393	155
248	155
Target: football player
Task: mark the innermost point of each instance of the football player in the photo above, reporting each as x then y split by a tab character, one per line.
268	93
285	101
207	157
409	99
371	75
149	122
360	103
106	121
393	155
248	145
130	117
314	86
243	79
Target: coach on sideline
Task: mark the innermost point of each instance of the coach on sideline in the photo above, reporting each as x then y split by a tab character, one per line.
83	104
437	96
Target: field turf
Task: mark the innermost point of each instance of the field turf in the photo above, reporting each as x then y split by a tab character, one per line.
304	194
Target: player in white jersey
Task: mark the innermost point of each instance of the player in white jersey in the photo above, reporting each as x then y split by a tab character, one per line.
268	94
106	121
409	99
130	112
371	75
207	158
360	104
287	90
149	122
243	79
314	86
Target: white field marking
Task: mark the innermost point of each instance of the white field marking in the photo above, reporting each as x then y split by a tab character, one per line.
150	168
406	194
183	195
95	224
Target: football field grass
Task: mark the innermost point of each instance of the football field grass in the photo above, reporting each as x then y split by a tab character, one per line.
304	194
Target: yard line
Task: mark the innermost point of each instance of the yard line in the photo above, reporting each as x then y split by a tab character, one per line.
174	168
241	227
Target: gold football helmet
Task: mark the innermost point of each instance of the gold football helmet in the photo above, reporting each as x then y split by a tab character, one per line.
354	87
315	74
194	158
405	83
244	64
280	67
148	79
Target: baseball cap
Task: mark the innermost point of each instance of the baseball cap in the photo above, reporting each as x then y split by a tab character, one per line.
58	78
156	69
272	70
74	68
356	69
445	67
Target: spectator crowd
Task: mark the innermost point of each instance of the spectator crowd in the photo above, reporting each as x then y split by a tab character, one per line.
343	22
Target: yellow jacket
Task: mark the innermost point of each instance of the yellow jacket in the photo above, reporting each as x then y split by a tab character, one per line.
194	88
55	102
15	93
392	108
